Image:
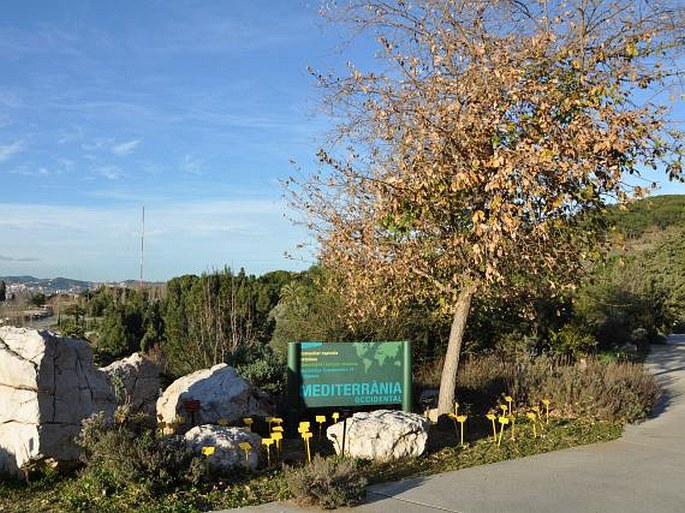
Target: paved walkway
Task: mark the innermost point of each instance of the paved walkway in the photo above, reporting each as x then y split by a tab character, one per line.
644	471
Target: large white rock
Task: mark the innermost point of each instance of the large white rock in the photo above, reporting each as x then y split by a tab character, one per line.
137	378
225	441
381	435
222	393
48	385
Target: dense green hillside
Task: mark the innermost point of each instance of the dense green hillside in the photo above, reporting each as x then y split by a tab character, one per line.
651	215
654	230
650	248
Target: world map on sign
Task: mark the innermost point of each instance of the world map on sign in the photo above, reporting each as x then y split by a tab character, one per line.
379	354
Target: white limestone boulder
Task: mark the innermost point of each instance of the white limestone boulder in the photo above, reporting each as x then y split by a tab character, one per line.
225	440
222	393
135	380
48	385
381	435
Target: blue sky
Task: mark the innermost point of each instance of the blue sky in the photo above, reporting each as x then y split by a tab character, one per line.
192	108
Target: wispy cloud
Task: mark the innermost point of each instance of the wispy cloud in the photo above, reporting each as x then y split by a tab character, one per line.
45	39
10	98
210	31
102	242
4	258
191	165
110	172
72	134
9	150
125	148
110	145
29	170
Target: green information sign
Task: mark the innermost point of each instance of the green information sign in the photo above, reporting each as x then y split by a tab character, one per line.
323	374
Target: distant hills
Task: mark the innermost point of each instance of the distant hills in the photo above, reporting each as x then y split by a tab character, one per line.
45	285
57	285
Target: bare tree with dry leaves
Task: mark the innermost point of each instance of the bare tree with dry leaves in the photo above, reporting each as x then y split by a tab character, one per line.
485	145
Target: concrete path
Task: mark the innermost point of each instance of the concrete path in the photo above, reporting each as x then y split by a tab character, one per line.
644	471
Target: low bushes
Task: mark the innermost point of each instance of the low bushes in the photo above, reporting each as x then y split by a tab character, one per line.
330	483
597	388
613	391
128	460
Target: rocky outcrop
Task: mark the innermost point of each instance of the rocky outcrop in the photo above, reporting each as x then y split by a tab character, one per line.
135	380
221	392
225	441
381	435
48	385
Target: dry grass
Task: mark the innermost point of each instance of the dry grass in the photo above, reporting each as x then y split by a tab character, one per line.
613	391
601	390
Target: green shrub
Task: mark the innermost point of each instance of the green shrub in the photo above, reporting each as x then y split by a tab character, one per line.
330	483
127	459
613	391
262	367
572	340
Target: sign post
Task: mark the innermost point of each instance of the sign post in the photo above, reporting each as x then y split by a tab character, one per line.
349	374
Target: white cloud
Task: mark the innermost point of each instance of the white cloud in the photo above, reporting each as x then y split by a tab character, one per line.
9	150
103	242
5	258
10	98
40	40
109	172
125	148
191	165
30	170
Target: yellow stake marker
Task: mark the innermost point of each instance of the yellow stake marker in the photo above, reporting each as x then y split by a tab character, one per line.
304	426
245	446
277	420
208	451
248	423
512	419
321	419
546	403
536	409
277	429
278	437
491	417
335	416
222	422
533	418
461	419
503	422
306	436
509	400
504	409
267	442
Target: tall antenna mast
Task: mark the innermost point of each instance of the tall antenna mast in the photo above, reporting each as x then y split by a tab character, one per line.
142	249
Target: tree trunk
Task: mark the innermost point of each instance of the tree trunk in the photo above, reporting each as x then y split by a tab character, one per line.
448	381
